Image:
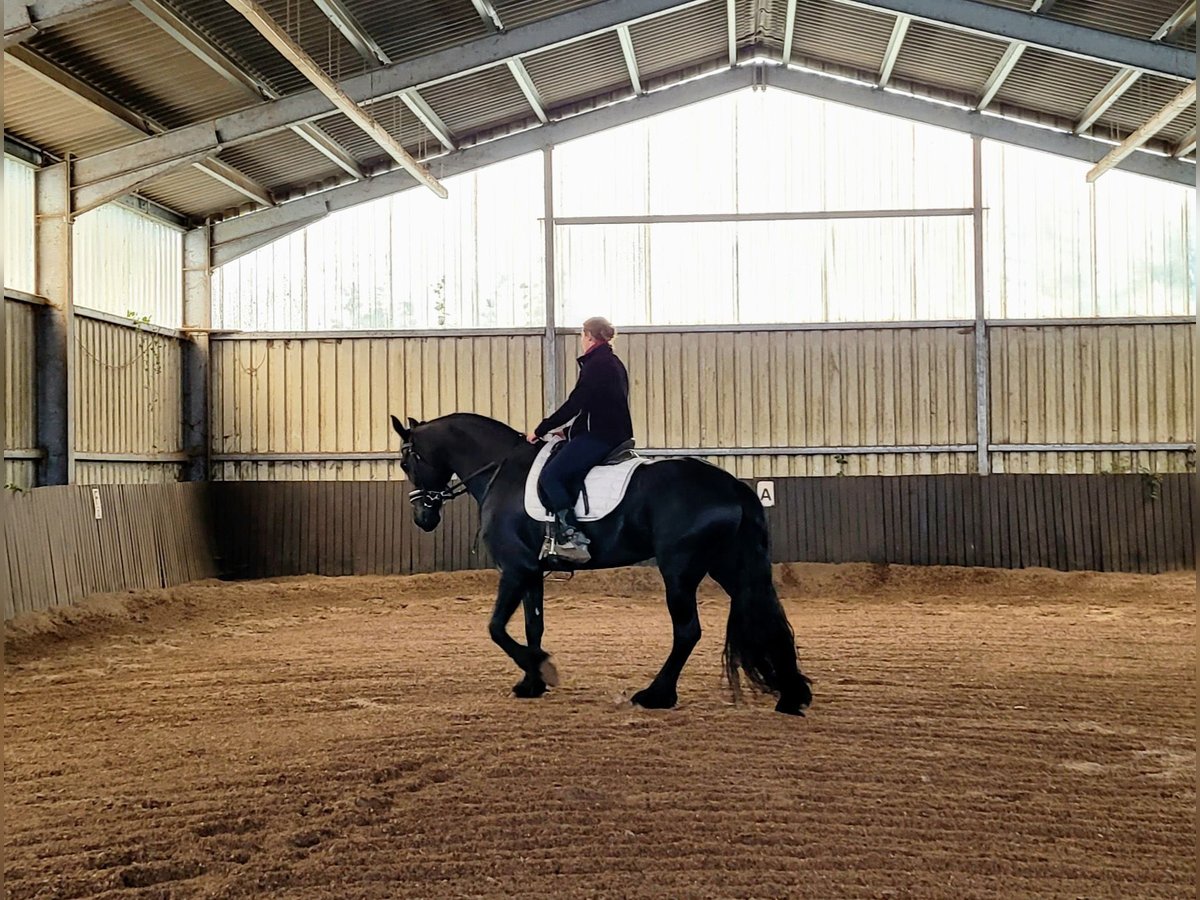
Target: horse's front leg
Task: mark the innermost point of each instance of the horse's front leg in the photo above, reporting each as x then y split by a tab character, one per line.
515	587
541	672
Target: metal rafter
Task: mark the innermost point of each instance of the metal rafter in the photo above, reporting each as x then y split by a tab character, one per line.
68	84
296	55
368	48
1049	34
1009	60
1186	145
731	30
631	63
895	43
213	57
1183	18
1156	123
391	81
789	32
494	24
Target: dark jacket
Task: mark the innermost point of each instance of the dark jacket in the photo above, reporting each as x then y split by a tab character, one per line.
599	402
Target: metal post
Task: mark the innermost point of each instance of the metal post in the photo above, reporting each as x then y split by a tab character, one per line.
197	313
550	340
983	413
56	326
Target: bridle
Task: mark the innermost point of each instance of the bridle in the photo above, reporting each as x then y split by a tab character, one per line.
435	498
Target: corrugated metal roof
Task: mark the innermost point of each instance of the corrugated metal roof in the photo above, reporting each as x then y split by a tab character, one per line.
47	118
281	161
133	61
416	27
521	12
848	35
394	116
483	100
670	42
229	30
189	188
1138	18
1059	85
944	58
592	66
159	80
1148	95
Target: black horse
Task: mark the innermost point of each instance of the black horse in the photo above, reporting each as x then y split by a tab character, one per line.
693	518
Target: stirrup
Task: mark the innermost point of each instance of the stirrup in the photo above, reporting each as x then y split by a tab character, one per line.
566	552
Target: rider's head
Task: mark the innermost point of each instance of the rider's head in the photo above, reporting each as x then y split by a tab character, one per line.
596	330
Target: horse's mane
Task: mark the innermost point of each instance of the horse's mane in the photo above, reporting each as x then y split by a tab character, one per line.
462	418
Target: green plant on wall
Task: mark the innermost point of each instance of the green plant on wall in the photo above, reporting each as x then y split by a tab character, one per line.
842	461
439	303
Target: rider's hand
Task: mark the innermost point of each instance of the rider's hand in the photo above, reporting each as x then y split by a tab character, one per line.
532	438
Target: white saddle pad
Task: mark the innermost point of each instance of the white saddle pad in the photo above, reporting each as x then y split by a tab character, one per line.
606	486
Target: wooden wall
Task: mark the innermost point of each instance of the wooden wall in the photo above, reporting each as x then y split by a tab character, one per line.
127	404
57	551
1098	522
1093	385
824	388
317	395
21	390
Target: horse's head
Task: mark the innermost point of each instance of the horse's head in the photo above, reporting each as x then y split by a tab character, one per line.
427	471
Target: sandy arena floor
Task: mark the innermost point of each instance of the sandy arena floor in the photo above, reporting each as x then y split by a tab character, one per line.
974	734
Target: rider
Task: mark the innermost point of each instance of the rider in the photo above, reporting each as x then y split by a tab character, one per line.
599	406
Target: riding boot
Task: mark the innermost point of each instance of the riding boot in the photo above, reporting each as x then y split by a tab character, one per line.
568	543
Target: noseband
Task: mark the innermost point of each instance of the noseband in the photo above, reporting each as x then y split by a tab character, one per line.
433	499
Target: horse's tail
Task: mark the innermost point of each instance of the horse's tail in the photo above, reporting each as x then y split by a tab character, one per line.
758	638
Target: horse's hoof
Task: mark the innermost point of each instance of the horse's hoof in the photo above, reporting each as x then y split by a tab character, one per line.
548	672
790	708
527	690
655	699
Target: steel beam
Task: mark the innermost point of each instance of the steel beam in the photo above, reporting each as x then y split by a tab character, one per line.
1049	34
895	43
1155	124
1183	18
22	20
1000	74
731	30
212	56
550	387
197	314
525	82
991	127
87	197
298	57
430	119
789	32
983	368
782	216
509	147
114	187
56	325
1187	145
631	63
352	30
231	250
390	81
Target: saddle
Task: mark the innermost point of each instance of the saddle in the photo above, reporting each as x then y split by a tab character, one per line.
603	489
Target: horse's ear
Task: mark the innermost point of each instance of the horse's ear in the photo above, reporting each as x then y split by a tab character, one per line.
400	429
412	423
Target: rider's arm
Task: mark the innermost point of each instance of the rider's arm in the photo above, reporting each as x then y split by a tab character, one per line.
574	405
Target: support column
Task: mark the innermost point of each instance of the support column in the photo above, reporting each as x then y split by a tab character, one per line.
983	393
197	314
550	340
56	326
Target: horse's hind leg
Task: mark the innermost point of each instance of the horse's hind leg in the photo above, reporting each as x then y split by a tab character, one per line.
515	587
682	577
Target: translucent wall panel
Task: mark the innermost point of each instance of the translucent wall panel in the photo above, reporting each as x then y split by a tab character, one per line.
19	270
127	263
763	151
410	261
767	272
1057	246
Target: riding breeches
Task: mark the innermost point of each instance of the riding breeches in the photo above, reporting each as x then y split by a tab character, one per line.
562	478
